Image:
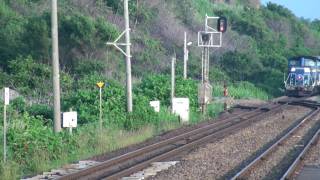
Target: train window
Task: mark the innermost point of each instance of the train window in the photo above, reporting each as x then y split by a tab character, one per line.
294	62
309	62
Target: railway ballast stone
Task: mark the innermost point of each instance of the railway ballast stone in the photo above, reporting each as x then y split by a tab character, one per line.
215	160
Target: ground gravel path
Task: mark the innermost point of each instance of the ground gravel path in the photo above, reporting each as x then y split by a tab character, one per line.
215	160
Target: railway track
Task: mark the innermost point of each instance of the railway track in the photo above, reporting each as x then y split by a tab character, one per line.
291	148
290	173
131	162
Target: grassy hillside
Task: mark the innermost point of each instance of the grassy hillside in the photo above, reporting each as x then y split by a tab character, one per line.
252	60
258	41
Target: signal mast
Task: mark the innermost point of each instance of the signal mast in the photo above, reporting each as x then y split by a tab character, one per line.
209	38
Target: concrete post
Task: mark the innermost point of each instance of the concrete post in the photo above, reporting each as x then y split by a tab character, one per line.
173	77
55	65
128	57
185	57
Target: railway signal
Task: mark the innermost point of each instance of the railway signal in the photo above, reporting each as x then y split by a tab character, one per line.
222	24
211	37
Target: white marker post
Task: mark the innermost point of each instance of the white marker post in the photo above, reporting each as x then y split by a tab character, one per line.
100	86
6	102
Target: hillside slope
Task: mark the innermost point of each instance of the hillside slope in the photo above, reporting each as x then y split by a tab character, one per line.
255	48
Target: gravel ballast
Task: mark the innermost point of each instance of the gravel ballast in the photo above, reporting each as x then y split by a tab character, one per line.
279	160
215	160
313	158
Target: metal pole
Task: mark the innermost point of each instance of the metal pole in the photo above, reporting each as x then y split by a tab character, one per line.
55	64
185	52
206	65
202	67
4	133
172	81
100	116
128	57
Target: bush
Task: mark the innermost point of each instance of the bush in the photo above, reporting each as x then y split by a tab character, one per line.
44	111
158	87
28	137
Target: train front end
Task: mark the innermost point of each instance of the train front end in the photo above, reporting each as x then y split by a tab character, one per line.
302	79
299	82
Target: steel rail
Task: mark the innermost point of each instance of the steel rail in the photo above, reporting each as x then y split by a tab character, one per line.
298	160
211	137
274	145
115	160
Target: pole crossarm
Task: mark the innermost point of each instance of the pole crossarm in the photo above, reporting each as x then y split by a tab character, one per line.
117	44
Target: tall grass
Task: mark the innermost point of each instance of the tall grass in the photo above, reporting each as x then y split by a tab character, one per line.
242	90
86	141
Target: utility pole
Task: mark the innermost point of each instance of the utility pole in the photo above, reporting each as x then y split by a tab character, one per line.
185	59
55	64
127	53
186	55
173	77
5	133
202	67
6	98
128	57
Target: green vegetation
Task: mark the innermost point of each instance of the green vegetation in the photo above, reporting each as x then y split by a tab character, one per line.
251	62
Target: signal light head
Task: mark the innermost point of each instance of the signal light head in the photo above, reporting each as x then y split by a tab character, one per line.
205	37
222	24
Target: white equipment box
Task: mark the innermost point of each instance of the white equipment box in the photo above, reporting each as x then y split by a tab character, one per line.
155	105
69	119
180	107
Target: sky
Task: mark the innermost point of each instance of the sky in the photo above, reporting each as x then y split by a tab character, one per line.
308	9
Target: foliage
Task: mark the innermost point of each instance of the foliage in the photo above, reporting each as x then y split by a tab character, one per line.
281	10
27	137
150	56
83	67
10	33
261	40
34	79
37	38
241	90
158	87
83	34
239	66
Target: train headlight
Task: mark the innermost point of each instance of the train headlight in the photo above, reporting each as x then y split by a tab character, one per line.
293	69
307	70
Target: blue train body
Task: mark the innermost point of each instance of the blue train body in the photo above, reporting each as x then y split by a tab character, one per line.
303	76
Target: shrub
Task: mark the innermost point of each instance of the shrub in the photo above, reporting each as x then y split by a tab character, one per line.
158	87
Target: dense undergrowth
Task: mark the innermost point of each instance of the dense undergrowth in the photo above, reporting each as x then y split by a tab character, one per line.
251	62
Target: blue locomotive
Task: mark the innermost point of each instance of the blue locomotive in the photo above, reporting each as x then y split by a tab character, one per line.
303	76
